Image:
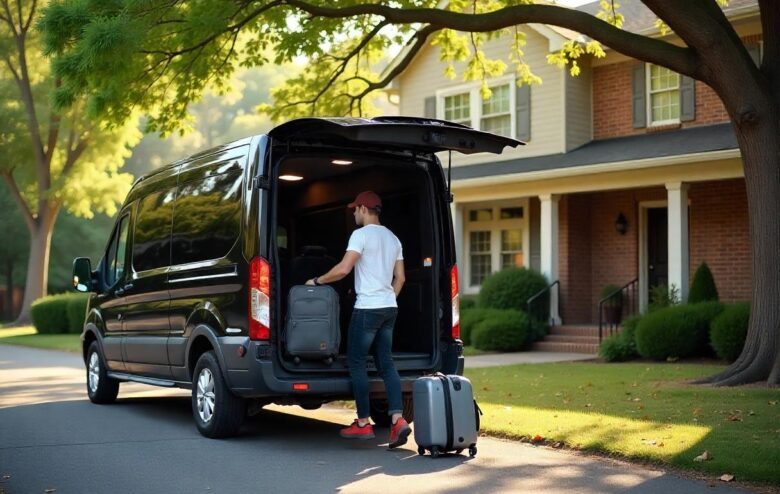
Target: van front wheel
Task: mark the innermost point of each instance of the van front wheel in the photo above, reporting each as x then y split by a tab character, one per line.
100	388
218	412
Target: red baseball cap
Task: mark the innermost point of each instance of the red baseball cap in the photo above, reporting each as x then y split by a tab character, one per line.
366	198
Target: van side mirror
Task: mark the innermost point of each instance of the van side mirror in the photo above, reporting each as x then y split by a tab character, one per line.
82	274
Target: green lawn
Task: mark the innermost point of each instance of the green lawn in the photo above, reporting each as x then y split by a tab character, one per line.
636	410
28	336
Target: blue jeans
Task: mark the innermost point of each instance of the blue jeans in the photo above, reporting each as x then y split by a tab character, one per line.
373	327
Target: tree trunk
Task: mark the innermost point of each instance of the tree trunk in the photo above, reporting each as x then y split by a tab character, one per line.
38	264
760	358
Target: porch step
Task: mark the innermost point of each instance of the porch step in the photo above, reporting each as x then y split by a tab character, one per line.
565	338
575	330
563	347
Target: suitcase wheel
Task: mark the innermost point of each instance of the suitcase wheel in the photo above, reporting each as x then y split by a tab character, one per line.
420	451
297	360
458	451
435	452
473	451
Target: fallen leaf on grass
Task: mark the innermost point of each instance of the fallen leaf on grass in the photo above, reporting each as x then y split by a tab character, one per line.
660	445
637	399
672	359
649	442
773	403
735	418
706	456
537	439
726	477
558	445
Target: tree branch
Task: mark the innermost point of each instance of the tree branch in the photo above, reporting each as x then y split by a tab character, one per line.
29	219
679	59
26	25
54	129
9	18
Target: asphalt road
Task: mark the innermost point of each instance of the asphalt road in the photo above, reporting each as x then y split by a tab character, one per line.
52	437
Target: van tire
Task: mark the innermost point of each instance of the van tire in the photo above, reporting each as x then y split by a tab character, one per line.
218	413
101	389
378	409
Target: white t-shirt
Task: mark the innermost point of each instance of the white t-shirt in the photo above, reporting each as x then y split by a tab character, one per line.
379	249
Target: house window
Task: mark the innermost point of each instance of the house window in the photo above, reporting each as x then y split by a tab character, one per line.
457	108
496	112
464	105
495	238
663	87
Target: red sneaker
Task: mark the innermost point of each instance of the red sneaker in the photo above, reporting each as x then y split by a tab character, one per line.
399	432
354	431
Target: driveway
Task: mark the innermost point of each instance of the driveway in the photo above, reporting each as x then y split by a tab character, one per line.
52	437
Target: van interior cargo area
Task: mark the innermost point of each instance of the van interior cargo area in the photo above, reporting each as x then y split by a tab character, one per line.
313	226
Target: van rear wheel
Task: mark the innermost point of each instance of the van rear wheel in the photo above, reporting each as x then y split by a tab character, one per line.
379	410
218	412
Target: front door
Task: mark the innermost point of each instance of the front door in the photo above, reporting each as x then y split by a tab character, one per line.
657	248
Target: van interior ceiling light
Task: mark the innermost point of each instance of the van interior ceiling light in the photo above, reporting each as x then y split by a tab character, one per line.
290	178
341	162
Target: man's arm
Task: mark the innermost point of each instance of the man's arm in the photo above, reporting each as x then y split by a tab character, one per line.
340	270
399	277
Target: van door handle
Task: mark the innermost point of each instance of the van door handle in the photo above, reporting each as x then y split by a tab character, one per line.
128	287
119	292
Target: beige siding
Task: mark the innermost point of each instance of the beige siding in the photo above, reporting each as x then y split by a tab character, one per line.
426	75
579	117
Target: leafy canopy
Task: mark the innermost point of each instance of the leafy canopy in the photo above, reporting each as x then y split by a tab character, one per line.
160	56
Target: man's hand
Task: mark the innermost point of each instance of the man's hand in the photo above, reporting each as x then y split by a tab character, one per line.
310	282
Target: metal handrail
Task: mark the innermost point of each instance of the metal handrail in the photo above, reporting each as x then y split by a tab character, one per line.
631	289
541	292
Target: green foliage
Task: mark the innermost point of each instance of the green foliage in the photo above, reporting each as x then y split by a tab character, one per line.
621	346
468	302
470	318
510	288
76	311
662	296
676	332
504	331
615	296
703	286
50	314
729	330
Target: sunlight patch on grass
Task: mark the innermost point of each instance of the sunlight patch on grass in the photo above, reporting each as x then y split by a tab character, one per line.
20	331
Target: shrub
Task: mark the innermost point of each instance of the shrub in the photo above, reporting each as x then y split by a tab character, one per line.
622	346
50	314
502	331
661	296
537	330
469	319
703	286
468	302
679	331
510	289
729	329
76	310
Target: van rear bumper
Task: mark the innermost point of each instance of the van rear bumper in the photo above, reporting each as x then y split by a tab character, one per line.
261	380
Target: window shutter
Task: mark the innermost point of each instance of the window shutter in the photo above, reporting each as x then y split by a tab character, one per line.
754	50
639	97
687	98
430	107
523	112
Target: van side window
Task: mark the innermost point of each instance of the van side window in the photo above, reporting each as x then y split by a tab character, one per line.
207	218
115	256
151	240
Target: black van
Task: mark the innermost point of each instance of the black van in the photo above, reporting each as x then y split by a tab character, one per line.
191	291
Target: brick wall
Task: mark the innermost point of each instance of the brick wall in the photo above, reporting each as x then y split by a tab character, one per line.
593	254
612	103
719	236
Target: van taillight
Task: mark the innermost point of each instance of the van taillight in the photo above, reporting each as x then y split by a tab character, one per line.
259	299
455	302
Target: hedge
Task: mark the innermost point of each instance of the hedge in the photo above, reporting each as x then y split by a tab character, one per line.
50	314
469	318
510	289
77	310
622	346
503	331
678	331
729	329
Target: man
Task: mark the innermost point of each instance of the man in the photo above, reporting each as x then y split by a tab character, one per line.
376	254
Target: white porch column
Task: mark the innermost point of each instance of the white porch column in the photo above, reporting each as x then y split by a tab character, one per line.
677	193
457	226
549	241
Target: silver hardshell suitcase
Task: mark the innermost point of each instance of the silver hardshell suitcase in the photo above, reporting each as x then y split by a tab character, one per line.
446	416
312	325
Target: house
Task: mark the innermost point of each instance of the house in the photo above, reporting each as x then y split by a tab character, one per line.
631	173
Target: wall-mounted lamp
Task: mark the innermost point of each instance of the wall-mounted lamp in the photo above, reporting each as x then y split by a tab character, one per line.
621	224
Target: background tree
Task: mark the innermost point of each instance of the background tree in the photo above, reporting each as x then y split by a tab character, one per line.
13	250
159	56
51	158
